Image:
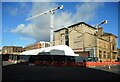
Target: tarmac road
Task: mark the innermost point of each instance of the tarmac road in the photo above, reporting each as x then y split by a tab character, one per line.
31	72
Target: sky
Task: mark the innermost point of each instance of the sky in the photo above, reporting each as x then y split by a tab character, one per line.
17	31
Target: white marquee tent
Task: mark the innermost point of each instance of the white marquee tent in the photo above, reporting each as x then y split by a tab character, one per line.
54	50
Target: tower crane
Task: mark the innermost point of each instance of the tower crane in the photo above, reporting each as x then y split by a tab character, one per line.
52	12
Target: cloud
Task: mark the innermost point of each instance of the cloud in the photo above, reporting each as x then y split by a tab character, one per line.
19	28
27	0
99	0
60	0
14	11
22	8
25	38
86	12
32	31
39	28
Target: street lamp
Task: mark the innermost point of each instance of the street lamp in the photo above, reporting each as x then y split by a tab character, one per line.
103	22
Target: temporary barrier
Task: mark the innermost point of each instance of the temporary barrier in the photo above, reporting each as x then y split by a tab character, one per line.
94	64
58	60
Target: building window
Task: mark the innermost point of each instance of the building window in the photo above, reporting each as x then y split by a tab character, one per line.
113	56
108	56
100	54
62	34
113	48
104	56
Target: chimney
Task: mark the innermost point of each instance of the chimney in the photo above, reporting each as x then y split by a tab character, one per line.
100	31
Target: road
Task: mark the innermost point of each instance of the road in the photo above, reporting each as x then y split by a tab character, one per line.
31	72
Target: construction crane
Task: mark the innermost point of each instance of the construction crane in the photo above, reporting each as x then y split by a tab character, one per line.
52	11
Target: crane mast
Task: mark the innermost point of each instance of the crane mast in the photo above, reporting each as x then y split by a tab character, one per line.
52	11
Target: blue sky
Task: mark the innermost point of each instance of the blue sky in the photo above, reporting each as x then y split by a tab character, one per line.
17	31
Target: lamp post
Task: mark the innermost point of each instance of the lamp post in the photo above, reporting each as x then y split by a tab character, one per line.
103	22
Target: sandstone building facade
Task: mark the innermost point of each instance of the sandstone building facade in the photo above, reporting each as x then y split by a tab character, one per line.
85	39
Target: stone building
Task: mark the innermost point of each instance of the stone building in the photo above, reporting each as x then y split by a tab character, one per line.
37	45
86	40
12	50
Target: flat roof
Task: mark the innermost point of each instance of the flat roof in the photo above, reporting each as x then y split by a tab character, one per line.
37	43
81	23
60	29
75	25
106	34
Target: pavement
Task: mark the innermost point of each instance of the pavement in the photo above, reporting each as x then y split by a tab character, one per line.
16	72
112	68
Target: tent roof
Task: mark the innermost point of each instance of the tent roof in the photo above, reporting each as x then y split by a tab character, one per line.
68	51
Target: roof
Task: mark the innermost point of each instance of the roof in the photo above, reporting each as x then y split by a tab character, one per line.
31	52
39	42
13	46
107	34
54	49
75	25
81	23
60	29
